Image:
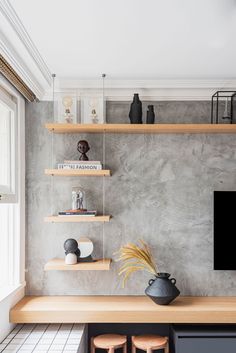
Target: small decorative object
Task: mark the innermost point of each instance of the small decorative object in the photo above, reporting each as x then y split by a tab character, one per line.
93	110
228	99
65	107
150	115
136	112
161	290
85	246
71	259
83	148
71	251
78	199
68	102
70	246
94	116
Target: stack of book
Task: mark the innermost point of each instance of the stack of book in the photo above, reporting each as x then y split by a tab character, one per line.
77	213
84	165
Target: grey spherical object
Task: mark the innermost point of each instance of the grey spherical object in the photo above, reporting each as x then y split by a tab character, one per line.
71	246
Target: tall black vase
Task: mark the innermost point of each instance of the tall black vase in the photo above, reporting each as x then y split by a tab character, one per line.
150	115
135	113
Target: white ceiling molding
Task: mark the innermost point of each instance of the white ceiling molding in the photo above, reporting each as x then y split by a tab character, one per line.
20	52
123	90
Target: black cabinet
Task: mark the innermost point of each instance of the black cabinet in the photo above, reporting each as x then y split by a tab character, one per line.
203	339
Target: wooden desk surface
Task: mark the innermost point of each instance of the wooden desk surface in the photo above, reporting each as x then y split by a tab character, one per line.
123	309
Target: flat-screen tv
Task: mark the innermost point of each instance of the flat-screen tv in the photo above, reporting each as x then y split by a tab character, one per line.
224	230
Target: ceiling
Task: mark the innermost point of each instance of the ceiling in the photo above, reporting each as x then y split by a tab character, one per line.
133	39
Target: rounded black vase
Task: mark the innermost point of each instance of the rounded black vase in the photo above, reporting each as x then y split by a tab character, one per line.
150	115
162	289
136	112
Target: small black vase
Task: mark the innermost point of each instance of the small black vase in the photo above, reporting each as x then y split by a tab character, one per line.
135	113
162	290
150	115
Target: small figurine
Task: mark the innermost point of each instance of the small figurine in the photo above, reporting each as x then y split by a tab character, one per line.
72	251
150	115
68	102
83	148
78	199
94	116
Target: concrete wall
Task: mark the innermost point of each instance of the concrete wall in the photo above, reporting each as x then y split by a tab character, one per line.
161	191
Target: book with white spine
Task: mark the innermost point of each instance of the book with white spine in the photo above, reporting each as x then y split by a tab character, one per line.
79	166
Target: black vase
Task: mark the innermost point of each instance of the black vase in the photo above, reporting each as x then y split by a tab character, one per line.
135	113
150	115
162	290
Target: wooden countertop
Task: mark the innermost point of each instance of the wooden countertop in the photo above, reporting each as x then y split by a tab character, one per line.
123	309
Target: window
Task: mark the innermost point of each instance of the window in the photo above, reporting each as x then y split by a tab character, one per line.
7	149
11	193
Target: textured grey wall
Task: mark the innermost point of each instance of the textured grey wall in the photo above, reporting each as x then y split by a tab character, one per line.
161	190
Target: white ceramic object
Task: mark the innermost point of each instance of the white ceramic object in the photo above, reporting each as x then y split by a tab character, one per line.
71	259
85	246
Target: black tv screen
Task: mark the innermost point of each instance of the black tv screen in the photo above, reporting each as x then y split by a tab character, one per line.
224	230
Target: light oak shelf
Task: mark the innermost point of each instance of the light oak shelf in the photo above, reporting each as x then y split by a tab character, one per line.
76	172
123	309
75	219
59	265
143	128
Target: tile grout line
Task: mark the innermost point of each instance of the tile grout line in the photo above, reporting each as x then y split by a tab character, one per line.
63	350
12	337
11	333
54	338
40	337
26	336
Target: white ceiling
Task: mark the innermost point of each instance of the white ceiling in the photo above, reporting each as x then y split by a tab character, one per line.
134	39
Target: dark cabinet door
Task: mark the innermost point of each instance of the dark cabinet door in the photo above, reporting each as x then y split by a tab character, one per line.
206	345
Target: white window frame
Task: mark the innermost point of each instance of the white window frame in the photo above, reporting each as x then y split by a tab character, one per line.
16	288
10	196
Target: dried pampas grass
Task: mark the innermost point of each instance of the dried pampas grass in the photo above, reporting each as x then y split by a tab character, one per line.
135	258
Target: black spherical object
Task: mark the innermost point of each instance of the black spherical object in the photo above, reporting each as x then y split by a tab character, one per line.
150	115
71	246
136	111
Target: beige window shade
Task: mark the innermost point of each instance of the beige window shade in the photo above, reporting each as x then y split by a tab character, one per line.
10	74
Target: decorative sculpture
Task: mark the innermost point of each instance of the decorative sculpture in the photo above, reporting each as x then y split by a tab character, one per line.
72	251
83	148
136	112
150	115
78	199
78	251
68	102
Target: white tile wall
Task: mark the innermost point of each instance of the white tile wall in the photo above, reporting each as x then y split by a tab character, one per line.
44	338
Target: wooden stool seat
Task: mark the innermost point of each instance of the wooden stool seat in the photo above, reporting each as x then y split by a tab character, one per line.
149	343
110	342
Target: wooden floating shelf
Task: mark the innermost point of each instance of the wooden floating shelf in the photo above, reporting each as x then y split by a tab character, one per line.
144	128
59	265
76	172
123	309
75	219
